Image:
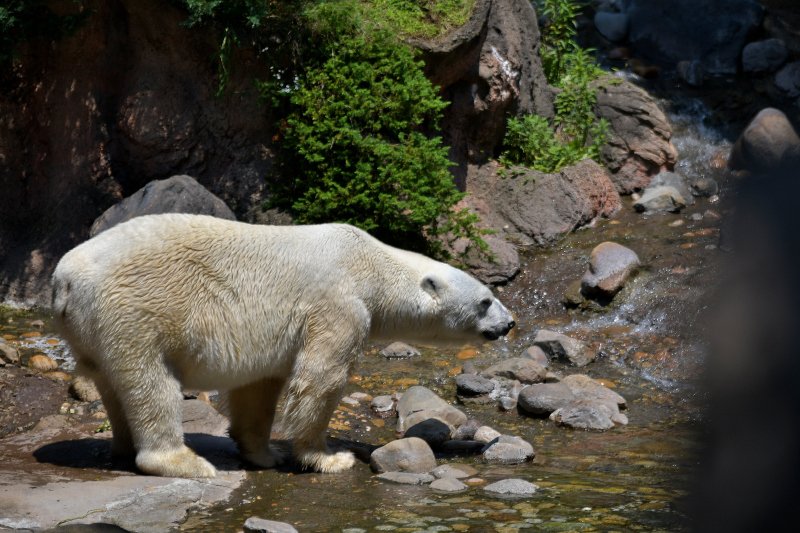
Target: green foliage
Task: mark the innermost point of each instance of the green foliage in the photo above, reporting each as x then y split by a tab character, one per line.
22	20
418	18
353	149
578	134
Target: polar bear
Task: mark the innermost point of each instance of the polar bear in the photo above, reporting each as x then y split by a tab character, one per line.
165	301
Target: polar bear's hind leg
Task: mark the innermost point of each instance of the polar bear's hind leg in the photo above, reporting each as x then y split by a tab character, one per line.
252	410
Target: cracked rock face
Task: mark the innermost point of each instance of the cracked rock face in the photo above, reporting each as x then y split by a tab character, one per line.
639	146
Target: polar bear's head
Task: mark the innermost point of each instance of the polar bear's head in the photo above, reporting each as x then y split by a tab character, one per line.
463	308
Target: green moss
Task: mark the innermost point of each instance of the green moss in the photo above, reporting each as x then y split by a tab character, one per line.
418	18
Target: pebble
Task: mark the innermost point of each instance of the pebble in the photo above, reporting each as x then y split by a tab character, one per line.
42	363
711	214
696	217
455	470
558	345
467	354
713	199
485	434
507	403
349	401
711	246
37	324
360	396
100	415
473	384
381	404
448	484
518	368
553	377
676	223
537	354
509	450
636	196
475	481
406	478
515	487
399	350
58	376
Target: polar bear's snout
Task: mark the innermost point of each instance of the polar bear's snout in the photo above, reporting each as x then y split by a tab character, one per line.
499	322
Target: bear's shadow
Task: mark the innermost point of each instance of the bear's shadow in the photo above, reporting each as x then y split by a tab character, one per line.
96	454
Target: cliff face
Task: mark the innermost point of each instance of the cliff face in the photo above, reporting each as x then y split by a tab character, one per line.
89	120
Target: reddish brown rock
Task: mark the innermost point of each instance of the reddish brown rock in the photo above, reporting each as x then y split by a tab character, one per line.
42	363
639	146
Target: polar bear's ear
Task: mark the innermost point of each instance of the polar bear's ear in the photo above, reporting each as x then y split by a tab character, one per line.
432	284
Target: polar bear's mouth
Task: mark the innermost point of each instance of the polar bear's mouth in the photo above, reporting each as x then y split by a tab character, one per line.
491	335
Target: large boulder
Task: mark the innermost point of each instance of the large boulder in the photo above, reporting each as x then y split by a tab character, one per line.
712	31
487	69
535	208
418	399
544	398
639	146
610	267
764	56
178	194
761	145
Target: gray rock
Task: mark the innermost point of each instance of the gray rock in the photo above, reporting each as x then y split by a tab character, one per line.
382	404
764	56
200	417
582	416
9	354
558	345
692	72
457	472
619	419
467	430
178	194
469	368
519	368
660	199
585	388
406	478
761	145
432	430
613	26
470	384
508	451
639	144
486	434
507	404
786	85
403	455
704	187
419	398
610	267
545	398
512	487
512	388
399	350
448	484
21	524
504	267
538	355
712	31
259	525
676	181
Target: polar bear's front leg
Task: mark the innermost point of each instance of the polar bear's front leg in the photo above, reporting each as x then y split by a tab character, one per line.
152	402
252	410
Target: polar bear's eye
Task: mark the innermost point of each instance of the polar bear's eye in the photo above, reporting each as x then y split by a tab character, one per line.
486	302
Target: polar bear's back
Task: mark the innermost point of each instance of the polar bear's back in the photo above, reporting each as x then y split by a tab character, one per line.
198	285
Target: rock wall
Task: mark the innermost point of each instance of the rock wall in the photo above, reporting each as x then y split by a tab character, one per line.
89	120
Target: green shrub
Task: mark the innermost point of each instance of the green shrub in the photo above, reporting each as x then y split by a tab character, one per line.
576	133
353	148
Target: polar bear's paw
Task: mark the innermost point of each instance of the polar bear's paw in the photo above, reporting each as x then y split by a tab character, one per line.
327	462
267	458
174	463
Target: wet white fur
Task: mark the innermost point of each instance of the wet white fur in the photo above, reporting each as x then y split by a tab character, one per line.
166	301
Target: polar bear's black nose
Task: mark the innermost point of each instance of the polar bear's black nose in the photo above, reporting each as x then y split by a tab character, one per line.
511	325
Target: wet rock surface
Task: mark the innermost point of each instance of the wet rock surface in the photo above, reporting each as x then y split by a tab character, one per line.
762	144
259	525
403	455
399	350
517	368
561	346
515	487
610	267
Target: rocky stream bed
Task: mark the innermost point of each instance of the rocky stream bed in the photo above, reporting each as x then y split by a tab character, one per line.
56	466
